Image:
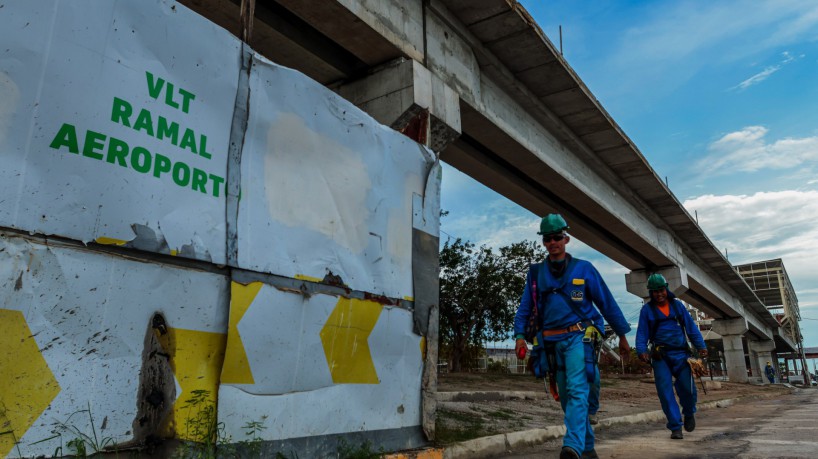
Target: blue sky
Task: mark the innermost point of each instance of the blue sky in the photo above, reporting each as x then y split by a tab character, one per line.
721	98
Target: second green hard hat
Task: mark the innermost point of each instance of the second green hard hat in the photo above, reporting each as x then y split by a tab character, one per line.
656	282
552	223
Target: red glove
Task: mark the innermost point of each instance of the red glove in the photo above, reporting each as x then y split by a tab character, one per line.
521	348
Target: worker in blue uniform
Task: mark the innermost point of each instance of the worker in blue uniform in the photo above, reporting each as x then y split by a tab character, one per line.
666	325
564	290
770	372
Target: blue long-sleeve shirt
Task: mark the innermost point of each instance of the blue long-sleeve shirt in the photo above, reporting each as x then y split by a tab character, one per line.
668	331
582	285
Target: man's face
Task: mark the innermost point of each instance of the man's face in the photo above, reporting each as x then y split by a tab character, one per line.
660	296
555	244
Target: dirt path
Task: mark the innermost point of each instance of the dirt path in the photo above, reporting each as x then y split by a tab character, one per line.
620	396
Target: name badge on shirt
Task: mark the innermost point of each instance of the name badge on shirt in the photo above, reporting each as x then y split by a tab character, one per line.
578	294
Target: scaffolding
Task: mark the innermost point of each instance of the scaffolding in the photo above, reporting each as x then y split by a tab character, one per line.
770	282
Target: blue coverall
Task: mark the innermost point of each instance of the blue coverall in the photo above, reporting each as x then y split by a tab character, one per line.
583	287
667	333
770	373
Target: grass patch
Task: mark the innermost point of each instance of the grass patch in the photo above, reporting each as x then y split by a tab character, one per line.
457	426
502	414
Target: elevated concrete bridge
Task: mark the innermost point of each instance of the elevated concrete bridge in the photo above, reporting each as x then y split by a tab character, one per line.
479	82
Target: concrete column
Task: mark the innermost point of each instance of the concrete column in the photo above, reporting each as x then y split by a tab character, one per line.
762	351
731	331
406	96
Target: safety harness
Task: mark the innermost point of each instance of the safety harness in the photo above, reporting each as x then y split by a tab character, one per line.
658	350
543	354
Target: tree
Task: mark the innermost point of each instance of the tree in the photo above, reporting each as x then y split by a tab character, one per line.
480	290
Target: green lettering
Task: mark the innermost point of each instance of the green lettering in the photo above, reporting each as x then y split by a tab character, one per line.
93	141
121	112
144	122
162	164
144	165
117	151
66	137
184	178
199	180
154	87
186	98
164	130
216	182
188	141
169	96
203	150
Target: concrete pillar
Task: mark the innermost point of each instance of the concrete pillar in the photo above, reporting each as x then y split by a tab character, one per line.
406	96
731	331
762	353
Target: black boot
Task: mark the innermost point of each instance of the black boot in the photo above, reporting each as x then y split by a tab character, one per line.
690	423
676	435
568	453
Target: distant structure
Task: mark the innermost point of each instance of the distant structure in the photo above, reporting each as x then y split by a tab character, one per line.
770	282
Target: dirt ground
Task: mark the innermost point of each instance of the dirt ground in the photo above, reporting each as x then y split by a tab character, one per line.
620	396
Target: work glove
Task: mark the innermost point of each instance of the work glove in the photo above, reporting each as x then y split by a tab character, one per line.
702	353
645	357
520	348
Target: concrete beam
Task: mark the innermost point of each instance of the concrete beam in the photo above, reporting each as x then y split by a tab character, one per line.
405	95
730	326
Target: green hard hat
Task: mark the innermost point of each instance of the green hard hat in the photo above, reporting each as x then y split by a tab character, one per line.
656	282
552	223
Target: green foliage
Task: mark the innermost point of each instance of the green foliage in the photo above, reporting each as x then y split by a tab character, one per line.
81	444
208	437
454	426
480	290
202	428
252	445
363	451
496	366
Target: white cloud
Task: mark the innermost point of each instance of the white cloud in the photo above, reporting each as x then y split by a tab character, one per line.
764	74
758	77
764	226
747	150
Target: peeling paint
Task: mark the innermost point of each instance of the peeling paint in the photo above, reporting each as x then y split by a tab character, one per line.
157	387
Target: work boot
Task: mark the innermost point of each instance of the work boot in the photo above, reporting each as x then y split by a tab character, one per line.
568	453
593	419
590	454
690	423
676	435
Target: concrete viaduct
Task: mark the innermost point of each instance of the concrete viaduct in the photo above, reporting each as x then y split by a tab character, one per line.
479	82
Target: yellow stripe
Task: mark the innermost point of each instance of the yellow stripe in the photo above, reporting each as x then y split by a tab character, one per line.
27	385
578	281
196	359
110	241
308	278
236	368
345	340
